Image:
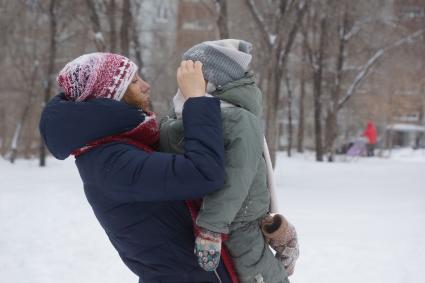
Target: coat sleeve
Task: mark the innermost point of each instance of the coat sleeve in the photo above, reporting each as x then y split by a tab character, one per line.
130	174
243	150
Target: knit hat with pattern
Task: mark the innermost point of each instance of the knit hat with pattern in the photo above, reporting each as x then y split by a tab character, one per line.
96	75
223	60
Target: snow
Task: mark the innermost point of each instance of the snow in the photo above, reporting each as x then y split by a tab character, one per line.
408	155
406	127
99	36
16	136
361	221
358	221
272	38
48	232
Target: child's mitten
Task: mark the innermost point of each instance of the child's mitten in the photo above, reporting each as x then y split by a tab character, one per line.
208	249
282	237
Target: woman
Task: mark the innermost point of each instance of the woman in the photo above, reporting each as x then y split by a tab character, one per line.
102	118
371	134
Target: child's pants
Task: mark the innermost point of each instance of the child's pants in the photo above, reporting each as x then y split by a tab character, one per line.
252	257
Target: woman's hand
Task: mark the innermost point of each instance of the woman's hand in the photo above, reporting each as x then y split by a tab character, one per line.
190	79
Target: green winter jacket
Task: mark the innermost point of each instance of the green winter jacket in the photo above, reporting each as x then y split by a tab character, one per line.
245	196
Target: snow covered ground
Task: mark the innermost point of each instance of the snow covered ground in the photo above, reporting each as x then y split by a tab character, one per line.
358	221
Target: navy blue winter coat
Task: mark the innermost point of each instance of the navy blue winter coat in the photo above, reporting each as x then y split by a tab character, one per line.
138	196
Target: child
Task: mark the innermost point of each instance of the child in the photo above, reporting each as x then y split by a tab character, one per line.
238	209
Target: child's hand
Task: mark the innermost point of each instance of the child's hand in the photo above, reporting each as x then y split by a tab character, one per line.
208	249
190	79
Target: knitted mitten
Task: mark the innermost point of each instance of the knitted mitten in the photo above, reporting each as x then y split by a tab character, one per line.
282	237
208	249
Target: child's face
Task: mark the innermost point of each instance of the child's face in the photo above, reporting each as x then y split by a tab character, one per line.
137	93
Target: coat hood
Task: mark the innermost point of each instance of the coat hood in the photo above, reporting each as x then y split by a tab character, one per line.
67	125
243	93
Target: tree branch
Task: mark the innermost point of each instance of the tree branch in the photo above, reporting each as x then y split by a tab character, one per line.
292	34
95	20
223	29
265	32
372	60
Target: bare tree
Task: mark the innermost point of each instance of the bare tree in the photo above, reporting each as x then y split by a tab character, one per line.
316	51
364	70
301	107
135	37
126	23
31	95
50	67
331	117
341	53
217	9
111	9
222	23
278	35
289	91
2	130
98	37
336	102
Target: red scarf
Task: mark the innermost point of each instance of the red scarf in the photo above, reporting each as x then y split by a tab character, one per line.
145	137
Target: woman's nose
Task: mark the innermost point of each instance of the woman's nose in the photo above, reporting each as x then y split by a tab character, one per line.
145	86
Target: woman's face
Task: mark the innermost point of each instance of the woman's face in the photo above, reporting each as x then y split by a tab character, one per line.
137	93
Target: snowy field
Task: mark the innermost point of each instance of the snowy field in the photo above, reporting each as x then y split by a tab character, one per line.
358	221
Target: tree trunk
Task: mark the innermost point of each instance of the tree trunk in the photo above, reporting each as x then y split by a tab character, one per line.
278	46
112	25
301	119
318	92
50	70
19	126
331	133
95	20
135	37
290	126
2	130
332	115
125	28
223	28
318	115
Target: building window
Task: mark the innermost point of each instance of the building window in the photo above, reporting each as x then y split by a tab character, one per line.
162	13
197	25
412	12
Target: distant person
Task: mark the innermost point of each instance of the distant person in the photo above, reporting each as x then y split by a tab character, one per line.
238	213
137	194
371	134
